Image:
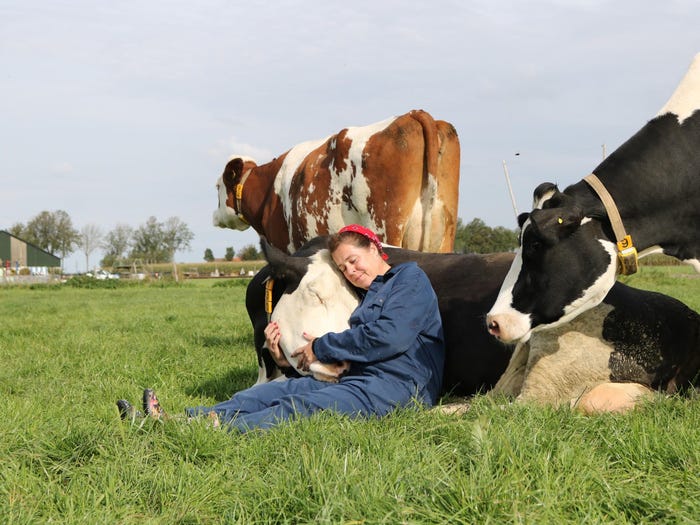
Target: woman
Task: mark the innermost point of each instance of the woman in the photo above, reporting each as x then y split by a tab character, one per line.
394	345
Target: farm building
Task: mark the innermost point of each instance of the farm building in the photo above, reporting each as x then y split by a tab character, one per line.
16	254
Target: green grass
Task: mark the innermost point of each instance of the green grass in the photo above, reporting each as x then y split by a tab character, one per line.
65	457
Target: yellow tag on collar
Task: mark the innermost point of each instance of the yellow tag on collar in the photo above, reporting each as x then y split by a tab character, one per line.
239	191
627	256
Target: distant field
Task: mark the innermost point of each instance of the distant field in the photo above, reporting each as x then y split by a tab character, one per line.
68	353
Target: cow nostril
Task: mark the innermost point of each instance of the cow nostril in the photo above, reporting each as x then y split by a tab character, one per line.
493	327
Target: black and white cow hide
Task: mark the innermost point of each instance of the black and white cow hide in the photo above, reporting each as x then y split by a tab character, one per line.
645	340
568	258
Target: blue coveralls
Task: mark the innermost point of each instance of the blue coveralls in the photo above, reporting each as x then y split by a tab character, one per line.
396	348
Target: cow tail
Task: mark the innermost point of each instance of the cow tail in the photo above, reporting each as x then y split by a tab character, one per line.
429	188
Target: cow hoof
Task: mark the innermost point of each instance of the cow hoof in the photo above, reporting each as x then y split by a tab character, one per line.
611	397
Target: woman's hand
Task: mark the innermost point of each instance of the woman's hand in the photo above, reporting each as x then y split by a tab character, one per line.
305	354
272	340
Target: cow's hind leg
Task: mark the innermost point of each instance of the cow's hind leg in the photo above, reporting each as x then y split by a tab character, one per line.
611	397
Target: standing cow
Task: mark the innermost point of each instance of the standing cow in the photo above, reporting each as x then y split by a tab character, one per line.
398	177
569	255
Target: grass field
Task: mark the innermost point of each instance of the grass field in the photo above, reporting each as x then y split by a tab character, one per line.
68	353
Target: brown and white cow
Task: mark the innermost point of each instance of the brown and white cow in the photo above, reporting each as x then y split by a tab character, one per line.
398	177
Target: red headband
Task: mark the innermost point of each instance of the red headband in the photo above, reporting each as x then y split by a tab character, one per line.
366	232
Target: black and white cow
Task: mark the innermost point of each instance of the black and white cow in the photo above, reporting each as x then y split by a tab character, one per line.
638	340
568	258
310	295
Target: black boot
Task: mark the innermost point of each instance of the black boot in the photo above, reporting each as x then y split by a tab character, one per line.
126	410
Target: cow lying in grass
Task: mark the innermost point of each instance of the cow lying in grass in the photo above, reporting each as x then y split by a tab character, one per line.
635	336
607	358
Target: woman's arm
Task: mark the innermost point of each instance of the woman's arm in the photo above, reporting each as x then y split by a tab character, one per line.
403	314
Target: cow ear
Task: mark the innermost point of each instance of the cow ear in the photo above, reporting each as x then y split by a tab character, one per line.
283	265
543	193
522	218
233	169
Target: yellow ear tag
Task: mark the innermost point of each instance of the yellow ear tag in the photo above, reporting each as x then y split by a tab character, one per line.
560	220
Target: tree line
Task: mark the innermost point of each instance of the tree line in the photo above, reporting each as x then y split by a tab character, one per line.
156	242
150	242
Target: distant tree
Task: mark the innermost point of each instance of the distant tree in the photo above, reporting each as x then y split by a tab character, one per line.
53	232
229	254
176	236
208	255
156	242
89	240
249	253
116	245
17	230
147	242
477	237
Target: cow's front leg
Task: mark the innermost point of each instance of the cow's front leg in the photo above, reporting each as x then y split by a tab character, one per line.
511	382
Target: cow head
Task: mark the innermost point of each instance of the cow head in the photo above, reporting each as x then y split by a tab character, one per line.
565	265
227	214
317	299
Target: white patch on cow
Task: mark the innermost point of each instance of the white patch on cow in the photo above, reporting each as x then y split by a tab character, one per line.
353	177
592	295
538	203
224	216
565	362
322	303
336	215
513	325
516	326
285	176
686	98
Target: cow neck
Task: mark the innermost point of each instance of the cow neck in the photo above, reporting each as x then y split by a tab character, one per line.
626	252
238	196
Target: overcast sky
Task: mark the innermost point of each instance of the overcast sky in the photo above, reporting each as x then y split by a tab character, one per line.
118	111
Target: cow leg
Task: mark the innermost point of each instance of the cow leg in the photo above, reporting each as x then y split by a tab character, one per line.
611	397
511	382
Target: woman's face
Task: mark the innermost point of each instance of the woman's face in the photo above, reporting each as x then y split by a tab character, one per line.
358	264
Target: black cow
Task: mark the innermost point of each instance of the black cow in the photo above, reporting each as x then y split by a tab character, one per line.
568	256
466	285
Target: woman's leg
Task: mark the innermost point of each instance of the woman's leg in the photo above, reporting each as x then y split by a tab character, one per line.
258	398
356	397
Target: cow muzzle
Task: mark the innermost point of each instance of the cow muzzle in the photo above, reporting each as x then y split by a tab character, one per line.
509	327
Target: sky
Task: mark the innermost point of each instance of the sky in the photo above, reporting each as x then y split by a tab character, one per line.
118	111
